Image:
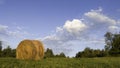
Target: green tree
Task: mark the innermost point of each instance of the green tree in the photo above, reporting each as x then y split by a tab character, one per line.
62	54
115	49
88	52
112	43
13	53
102	53
108	41
6	52
79	55
49	53
0	45
0	48
97	53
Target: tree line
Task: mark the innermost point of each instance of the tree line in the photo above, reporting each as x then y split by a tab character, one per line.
112	48
7	52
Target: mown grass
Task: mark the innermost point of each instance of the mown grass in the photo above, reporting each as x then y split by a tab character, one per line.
106	62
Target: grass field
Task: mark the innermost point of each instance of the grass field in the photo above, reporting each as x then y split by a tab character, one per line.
106	62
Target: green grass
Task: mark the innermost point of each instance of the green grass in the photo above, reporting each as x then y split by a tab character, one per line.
106	62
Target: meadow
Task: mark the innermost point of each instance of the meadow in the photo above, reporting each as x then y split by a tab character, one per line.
105	62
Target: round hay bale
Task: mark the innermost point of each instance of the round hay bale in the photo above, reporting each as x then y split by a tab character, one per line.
30	49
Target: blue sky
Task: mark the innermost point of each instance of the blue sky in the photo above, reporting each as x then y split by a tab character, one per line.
63	25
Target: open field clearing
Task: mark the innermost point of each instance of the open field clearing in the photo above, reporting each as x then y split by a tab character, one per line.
106	62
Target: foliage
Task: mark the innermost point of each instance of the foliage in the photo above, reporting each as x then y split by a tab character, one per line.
60	55
7	52
13	53
112	44
90	53
49	53
0	48
112	47
106	62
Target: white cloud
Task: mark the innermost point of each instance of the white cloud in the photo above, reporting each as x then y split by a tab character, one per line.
100	23
17	32
3	28
96	16
75	26
71	30
114	29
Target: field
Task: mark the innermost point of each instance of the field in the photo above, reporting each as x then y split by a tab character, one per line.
106	62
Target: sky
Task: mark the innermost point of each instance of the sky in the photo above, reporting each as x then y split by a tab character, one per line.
66	26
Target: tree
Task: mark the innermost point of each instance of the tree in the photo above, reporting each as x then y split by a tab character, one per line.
115	49
49	53
112	43
108	41
13	53
0	48
102	53
88	52
0	45
79	55
6	52
62	55
97	53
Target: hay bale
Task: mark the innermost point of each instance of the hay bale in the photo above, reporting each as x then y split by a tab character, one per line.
30	49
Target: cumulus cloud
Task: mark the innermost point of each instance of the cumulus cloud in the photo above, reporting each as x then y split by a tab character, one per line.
75	26
77	34
97	17
72	29
100	23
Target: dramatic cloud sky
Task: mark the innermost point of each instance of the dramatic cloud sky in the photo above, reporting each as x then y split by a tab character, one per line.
64	26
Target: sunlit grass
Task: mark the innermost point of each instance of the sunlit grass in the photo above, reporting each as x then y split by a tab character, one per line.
106	62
